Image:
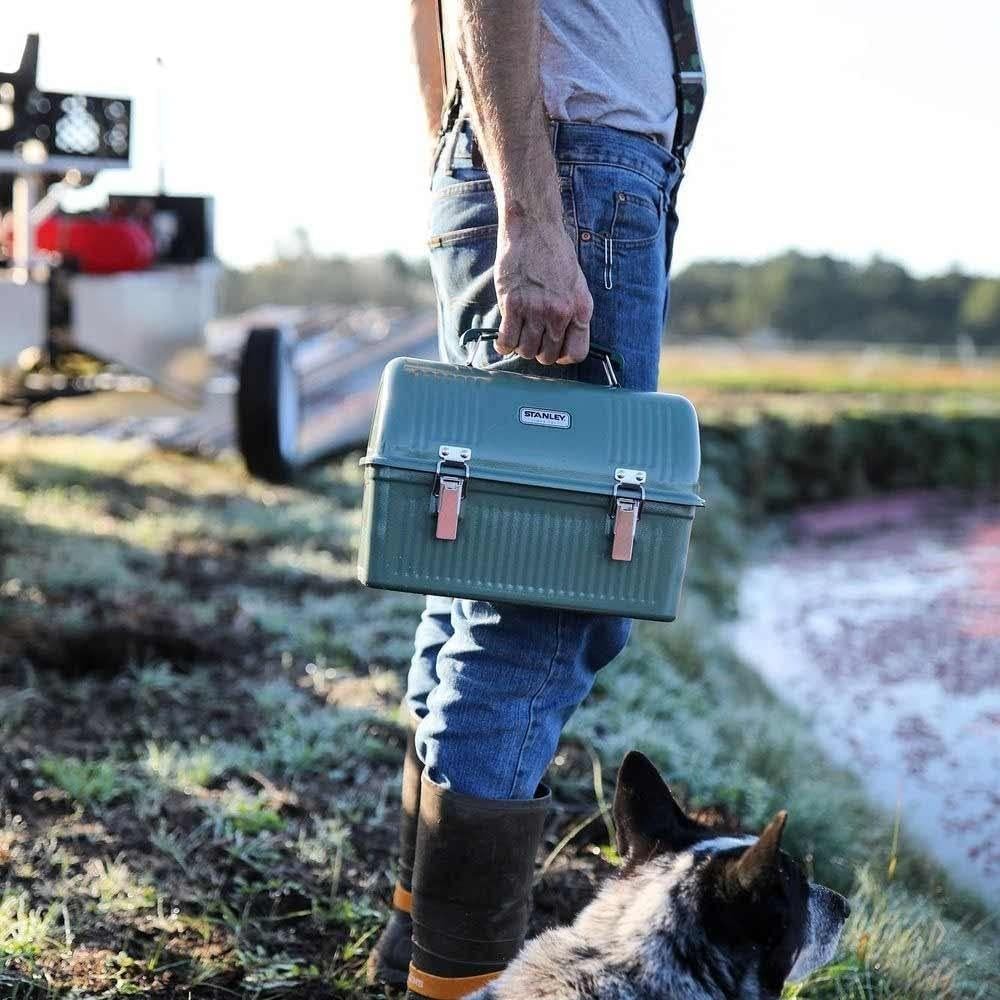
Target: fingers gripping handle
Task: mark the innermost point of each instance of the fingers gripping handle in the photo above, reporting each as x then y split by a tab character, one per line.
609	360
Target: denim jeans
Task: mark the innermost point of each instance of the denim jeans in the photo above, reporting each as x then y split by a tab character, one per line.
493	684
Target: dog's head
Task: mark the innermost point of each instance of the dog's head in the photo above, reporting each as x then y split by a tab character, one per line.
749	900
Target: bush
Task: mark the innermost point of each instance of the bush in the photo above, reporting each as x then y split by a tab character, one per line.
776	464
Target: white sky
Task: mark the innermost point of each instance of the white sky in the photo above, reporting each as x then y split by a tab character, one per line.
852	127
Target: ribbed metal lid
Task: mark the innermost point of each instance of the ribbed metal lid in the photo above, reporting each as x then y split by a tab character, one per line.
537	431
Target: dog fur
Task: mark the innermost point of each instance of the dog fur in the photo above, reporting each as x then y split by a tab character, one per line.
692	916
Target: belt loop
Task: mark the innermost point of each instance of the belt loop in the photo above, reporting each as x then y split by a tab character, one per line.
554	128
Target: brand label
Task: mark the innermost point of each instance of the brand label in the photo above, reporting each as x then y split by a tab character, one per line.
544	418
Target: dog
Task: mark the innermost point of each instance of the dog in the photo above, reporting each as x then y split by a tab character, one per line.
692	915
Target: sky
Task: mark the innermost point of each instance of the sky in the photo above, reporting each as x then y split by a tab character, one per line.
855	128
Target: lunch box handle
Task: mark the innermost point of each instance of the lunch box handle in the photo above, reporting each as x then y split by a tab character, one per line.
610	361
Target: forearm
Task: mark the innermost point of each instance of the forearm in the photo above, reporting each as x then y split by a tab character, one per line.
427	56
545	305
498	53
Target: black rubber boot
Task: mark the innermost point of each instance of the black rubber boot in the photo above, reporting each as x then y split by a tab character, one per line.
471	888
389	960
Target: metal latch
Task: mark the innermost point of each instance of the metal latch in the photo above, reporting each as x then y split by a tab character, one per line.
450	483
625	510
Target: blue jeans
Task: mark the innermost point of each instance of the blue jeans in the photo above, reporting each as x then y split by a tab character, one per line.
493	684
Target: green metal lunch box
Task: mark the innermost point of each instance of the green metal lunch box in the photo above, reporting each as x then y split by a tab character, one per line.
514	488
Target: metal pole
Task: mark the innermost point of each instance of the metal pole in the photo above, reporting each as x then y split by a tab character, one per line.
25	195
161	125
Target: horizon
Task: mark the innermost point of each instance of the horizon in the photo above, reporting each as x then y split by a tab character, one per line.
266	123
421	259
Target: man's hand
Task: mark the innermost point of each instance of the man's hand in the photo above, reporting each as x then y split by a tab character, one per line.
544	301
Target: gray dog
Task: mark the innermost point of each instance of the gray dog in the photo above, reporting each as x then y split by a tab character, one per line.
692	916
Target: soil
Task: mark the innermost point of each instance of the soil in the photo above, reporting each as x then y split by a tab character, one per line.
234	914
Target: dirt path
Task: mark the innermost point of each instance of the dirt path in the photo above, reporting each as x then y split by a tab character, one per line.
881	622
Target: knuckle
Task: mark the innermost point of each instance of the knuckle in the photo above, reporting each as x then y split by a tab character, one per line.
534	309
559	313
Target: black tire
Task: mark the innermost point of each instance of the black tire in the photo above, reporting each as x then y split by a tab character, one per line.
268	406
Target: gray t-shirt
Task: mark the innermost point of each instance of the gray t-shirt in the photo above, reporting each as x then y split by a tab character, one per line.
609	62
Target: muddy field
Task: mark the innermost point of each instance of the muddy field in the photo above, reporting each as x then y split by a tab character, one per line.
200	746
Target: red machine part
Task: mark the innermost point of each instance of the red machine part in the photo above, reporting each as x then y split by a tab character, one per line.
98	245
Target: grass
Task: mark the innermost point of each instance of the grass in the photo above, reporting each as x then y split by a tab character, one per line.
86	782
201	746
25	932
730	380
730	367
896	945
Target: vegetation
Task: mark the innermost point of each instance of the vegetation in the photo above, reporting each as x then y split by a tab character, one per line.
802	298
200	744
873	377
299	277
823	298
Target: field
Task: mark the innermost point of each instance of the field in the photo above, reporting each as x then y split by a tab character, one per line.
727	379
200	742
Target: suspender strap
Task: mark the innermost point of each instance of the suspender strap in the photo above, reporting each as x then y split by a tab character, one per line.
444	54
689	74
453	94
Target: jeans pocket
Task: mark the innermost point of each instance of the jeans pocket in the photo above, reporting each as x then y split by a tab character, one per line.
620	213
636	218
462	269
463	210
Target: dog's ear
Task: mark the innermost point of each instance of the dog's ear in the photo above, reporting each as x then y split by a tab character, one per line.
760	862
646	815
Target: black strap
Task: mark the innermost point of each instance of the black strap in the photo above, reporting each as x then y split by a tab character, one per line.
689	75
444	54
453	96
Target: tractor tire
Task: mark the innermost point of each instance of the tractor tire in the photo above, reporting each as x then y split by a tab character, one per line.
269	406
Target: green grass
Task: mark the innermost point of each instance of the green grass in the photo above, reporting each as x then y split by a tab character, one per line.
897	945
25	931
732	368
201	747
86	782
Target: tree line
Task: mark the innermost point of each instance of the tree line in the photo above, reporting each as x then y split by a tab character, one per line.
826	299
800	297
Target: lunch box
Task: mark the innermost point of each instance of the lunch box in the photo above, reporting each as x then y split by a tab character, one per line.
505	487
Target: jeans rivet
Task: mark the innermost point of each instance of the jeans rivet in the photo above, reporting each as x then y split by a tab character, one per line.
621	197
585	237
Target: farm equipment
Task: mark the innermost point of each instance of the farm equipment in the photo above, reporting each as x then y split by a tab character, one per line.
113	301
124	300
308	378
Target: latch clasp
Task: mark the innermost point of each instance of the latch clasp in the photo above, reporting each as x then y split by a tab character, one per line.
627	498
451	481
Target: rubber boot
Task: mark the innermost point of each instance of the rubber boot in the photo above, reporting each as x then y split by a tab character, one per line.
389	960
471	888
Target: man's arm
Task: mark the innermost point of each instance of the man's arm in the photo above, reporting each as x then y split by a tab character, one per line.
427	53
544	300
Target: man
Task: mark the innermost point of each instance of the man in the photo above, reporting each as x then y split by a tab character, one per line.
555	168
